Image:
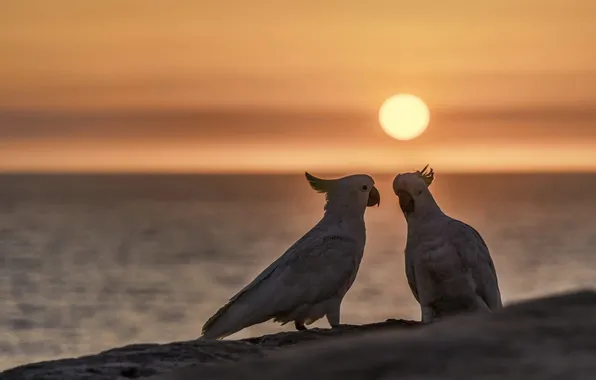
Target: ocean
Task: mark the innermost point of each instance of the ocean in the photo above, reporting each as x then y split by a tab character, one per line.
90	262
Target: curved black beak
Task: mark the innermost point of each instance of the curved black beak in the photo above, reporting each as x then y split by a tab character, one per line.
374	197
406	202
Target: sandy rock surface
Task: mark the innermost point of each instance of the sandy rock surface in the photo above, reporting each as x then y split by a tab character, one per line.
548	338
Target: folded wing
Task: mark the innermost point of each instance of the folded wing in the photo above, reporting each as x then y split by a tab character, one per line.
476	258
313	270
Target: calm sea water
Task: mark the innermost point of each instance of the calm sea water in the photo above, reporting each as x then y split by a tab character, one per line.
92	262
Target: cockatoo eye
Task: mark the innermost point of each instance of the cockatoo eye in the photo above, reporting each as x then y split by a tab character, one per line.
364	188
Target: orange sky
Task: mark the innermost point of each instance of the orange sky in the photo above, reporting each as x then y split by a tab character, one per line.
287	86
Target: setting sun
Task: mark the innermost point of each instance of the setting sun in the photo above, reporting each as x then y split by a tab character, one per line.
404	116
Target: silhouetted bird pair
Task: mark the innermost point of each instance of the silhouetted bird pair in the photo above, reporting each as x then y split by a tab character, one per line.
448	265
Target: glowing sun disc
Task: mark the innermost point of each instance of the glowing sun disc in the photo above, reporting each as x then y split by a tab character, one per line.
404	116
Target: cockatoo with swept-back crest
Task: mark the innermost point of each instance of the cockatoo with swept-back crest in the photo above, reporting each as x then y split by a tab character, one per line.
448	265
311	278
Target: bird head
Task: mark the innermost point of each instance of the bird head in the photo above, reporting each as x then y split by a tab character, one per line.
352	192
412	189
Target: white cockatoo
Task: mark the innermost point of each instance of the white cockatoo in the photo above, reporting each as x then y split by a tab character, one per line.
311	278
448	265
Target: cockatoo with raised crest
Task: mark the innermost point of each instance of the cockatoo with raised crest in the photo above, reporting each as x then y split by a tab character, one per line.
448	264
312	277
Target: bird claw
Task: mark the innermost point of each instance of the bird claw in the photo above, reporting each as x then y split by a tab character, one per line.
300	326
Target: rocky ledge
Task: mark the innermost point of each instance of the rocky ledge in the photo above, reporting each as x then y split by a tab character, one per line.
553	337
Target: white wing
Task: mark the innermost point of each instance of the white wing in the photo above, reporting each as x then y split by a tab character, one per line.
476	259
314	269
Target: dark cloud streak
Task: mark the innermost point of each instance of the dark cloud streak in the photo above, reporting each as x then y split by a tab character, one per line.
270	125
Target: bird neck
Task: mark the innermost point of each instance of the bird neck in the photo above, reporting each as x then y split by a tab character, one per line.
344	213
343	210
345	224
425	211
344	206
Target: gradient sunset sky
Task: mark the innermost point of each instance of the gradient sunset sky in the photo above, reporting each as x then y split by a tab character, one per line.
276	86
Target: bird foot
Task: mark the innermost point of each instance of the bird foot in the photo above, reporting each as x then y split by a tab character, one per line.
300	326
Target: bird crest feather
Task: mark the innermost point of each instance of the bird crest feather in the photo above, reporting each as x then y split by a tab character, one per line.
427	174
318	184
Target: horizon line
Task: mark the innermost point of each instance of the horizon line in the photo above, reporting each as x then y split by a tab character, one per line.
528	171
